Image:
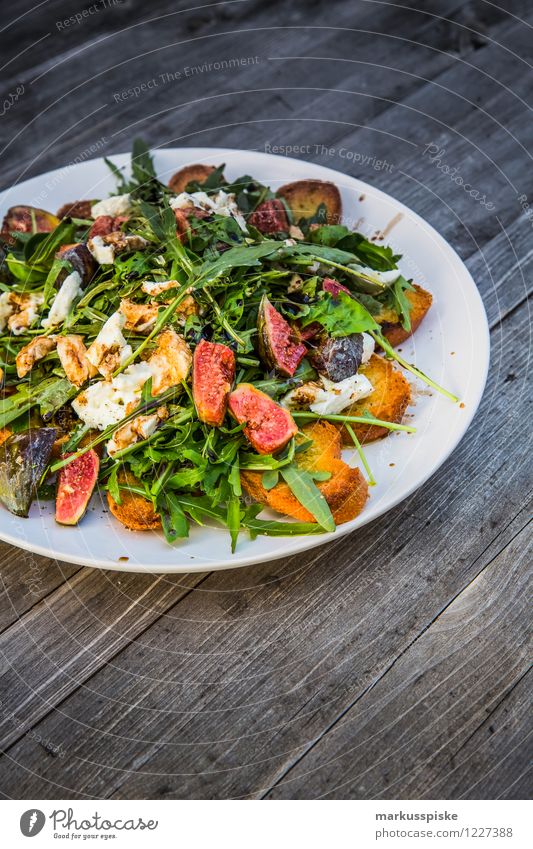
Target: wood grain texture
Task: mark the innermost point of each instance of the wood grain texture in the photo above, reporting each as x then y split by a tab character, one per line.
392	663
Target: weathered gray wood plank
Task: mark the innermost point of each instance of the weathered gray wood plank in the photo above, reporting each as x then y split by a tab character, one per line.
262	661
404	733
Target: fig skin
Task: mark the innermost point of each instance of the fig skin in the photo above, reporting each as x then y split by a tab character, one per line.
270	217
23	459
279	345
81	260
76	209
268	427
212	379
337	358
75	486
22	218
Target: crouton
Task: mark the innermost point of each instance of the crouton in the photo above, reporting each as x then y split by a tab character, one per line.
305	196
389	320
388	401
189	174
346	491
134	512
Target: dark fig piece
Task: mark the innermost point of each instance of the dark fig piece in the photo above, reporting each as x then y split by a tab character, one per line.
27	219
279	348
339	358
76	209
75	485
334	287
212	379
81	260
268	426
23	458
270	217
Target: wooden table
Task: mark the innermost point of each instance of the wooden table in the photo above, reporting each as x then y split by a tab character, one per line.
393	663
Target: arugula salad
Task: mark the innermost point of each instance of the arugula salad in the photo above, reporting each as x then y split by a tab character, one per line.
199	351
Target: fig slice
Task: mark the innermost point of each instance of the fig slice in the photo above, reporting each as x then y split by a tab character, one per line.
279	346
304	197
75	485
212	379
23	459
337	358
81	260
27	219
268	427
333	287
270	217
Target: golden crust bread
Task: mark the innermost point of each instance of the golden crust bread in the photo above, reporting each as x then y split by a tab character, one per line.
346	491
135	512
389	320
305	196
191	173
389	400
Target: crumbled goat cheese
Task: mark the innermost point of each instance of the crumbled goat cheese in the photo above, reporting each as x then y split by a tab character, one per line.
220	204
386	278
368	347
107	402
117	205
328	398
110	349
103	254
6	309
69	290
19	310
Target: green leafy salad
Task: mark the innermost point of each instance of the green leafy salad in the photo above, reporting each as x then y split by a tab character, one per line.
199	351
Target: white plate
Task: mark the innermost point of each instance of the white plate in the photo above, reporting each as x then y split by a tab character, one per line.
452	346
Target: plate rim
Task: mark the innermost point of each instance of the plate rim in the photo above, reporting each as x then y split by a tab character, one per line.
304	543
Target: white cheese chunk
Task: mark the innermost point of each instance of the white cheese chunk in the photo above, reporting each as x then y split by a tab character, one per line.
110	349
6	309
103	254
386	278
107	402
69	290
223	203
368	347
328	398
117	205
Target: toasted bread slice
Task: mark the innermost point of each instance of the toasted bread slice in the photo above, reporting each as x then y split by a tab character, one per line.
345	491
191	173
134	512
389	320
305	196
389	400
